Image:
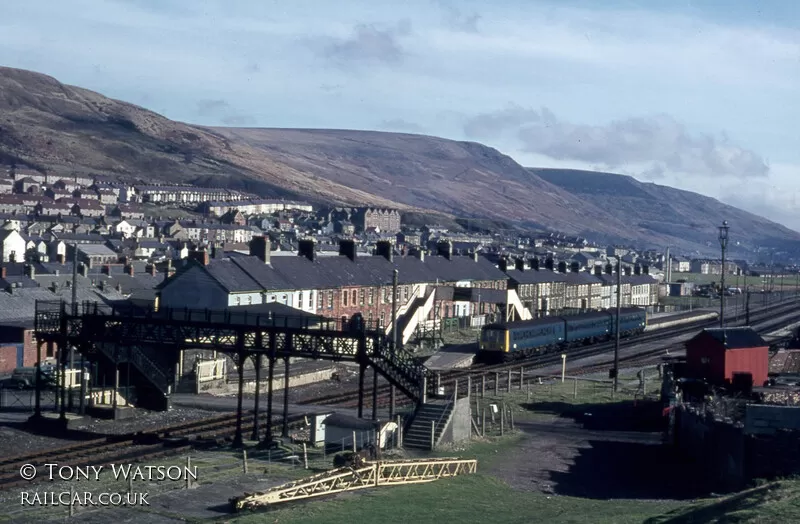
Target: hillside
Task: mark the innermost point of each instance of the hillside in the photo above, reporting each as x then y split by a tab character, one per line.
54	127
664	210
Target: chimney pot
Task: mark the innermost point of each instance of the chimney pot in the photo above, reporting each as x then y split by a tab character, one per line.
562	267
575	267
519	264
598	270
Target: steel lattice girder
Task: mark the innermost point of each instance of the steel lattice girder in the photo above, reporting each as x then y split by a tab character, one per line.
384	473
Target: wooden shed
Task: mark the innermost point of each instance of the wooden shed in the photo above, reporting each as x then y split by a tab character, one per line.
718	355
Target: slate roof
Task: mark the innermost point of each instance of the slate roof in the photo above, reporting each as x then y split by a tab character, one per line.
20	306
736	338
533	276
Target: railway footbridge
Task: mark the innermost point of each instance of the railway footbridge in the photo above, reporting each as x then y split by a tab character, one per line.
150	341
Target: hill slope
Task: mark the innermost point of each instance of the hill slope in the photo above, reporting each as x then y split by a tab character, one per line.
663	210
60	128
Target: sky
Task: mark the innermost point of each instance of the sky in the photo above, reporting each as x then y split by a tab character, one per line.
696	95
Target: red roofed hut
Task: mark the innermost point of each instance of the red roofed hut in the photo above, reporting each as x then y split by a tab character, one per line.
723	356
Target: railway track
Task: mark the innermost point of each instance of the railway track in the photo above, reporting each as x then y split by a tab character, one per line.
140	446
350	398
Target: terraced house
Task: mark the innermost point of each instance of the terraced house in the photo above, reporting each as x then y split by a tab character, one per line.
338	286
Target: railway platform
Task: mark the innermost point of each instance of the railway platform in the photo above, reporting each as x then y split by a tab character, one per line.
453	357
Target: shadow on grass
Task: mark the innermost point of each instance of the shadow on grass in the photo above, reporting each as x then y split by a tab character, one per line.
618	452
619	416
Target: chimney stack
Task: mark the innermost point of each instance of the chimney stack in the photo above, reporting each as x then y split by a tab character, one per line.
645	270
3	272
637	269
61	258
200	256
129	269
475	256
348	249
307	247
519	264
30	271
562	267
535	263
420	253
385	249
107	269
575	267
445	249
502	263
84	270
598	270
549	264
627	271
261	247
151	269
609	269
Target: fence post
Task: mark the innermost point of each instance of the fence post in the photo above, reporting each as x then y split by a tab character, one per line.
305	455
502	419
521	377
509	381
483	422
496	383
355	446
483	385
244	461
575	387
511	416
433	434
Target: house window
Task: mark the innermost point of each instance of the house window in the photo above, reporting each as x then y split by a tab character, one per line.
361	297
330	299
353	297
284	299
320	300
345	295
310	300
385	295
405	293
383	318
369	317
371	293
249	300
238	301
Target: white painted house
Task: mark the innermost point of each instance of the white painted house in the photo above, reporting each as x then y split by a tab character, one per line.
12	246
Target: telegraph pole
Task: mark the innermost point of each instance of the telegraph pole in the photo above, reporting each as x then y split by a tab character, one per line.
616	326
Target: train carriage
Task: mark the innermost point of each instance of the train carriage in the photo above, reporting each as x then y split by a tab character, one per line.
518	339
588	327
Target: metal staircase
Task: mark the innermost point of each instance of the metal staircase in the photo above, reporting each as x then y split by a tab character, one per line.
136	356
429	424
401	369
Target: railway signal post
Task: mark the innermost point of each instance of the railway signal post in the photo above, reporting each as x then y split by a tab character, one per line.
615	371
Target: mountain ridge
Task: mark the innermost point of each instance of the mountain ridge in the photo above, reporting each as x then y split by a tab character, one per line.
56	127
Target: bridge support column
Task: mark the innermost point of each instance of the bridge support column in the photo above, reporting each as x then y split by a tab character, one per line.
374	393
258	393
82	400
362	369
285	432
270	377
237	439
391	401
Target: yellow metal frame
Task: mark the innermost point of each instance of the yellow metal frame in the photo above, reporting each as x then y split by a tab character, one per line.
373	474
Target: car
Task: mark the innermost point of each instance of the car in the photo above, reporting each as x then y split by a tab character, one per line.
15	383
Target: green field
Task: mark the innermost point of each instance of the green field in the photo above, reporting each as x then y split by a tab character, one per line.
473	498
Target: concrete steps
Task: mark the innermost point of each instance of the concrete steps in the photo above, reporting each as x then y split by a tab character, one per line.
418	435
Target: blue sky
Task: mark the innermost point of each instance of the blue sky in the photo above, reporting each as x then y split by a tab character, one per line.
697	95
